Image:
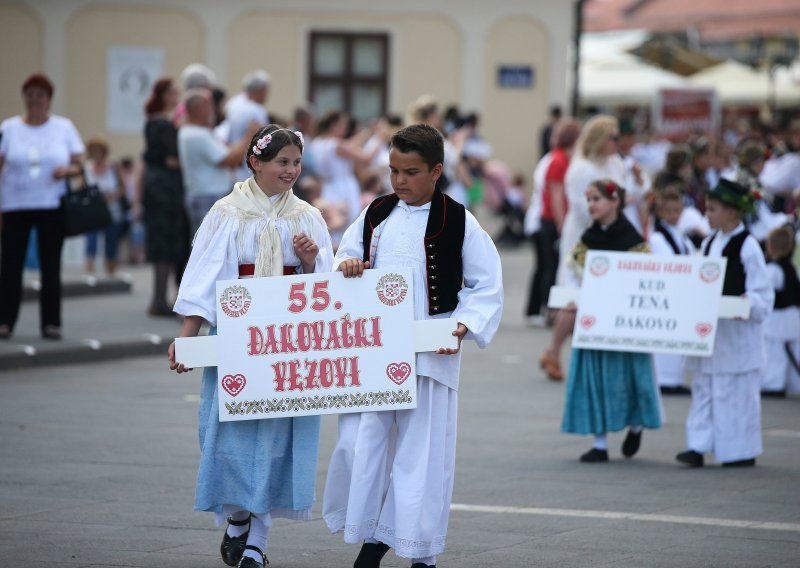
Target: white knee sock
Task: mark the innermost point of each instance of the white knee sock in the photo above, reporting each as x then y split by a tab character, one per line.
238	530
600	442
637	429
259	531
429	560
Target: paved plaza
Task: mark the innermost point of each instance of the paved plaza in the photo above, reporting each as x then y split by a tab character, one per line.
98	462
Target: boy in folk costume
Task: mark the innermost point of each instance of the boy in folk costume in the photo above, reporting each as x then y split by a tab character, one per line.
252	471
782	327
667	239
393	489
725	416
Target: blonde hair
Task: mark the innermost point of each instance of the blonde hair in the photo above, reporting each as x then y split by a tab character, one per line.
593	134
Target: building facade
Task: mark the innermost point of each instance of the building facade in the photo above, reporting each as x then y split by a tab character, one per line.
507	60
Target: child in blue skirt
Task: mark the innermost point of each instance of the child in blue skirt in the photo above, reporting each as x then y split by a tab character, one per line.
608	391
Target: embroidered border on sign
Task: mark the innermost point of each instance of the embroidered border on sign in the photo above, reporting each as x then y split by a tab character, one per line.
324	402
645	343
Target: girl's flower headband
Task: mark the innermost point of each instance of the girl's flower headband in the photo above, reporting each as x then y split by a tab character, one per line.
264	141
610	189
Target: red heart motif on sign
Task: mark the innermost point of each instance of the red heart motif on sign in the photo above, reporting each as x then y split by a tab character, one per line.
398	372
588	321
703	329
233	384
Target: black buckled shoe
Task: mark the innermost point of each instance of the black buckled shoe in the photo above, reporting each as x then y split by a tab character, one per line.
595	456
232	547
247	562
371	554
690	458
631	444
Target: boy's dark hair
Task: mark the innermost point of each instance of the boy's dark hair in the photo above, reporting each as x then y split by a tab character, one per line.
781	240
422	139
280	137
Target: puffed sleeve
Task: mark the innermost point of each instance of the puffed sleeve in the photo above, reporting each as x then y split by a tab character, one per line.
214	257
757	285
352	243
480	301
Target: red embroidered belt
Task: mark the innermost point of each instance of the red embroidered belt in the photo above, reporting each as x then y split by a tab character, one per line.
249	270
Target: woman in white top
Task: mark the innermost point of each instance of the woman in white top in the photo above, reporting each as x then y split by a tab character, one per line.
103	173
38	151
596	157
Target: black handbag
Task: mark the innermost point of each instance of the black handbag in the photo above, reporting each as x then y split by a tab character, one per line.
83	208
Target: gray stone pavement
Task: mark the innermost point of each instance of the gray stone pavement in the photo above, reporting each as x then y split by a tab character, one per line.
98	460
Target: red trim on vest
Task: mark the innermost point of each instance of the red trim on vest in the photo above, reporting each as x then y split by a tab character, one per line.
250	270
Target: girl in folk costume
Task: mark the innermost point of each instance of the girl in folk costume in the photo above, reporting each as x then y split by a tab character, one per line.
609	390
252	471
667	239
782	326
390	480
725	416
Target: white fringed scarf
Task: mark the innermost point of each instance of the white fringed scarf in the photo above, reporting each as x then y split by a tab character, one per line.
248	204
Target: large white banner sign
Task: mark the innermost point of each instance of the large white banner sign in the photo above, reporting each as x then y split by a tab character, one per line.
315	344
130	74
647	303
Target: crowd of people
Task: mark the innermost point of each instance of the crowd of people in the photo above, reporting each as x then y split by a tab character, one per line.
226	189
601	185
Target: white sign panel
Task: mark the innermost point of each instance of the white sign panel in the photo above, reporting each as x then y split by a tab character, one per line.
315	344
647	303
130	72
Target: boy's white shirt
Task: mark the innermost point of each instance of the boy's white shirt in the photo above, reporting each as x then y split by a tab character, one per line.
739	344
659	244
480	302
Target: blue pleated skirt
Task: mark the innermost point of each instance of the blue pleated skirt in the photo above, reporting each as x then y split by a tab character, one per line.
262	466
608	391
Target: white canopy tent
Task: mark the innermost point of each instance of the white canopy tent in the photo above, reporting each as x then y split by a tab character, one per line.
737	83
611	76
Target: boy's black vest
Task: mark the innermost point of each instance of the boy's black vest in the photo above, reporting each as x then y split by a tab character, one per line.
734	273
659	227
444	238
789	295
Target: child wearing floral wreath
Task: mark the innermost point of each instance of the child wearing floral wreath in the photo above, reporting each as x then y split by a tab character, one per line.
725	416
253	470
608	391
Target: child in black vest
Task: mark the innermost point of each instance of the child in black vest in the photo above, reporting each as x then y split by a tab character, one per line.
782	327
390	479
725	416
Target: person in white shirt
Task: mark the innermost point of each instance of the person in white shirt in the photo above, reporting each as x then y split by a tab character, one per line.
38	152
245	108
205	161
667	239
397	494
725	416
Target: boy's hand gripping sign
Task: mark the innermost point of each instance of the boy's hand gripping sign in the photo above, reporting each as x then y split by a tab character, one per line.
648	303
315	344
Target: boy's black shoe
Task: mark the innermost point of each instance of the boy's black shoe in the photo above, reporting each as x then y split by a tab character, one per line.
631	444
740	463
594	455
371	555
680	389
421	565
773	394
690	457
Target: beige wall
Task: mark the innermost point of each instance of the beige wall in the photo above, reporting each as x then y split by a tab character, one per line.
416	67
512	117
92	31
20	55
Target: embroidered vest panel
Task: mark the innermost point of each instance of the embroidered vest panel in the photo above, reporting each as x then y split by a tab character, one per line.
789	295
444	239
734	273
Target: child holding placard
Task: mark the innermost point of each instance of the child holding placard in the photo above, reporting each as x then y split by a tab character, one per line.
608	391
667	239
253	470
725	416
390	479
